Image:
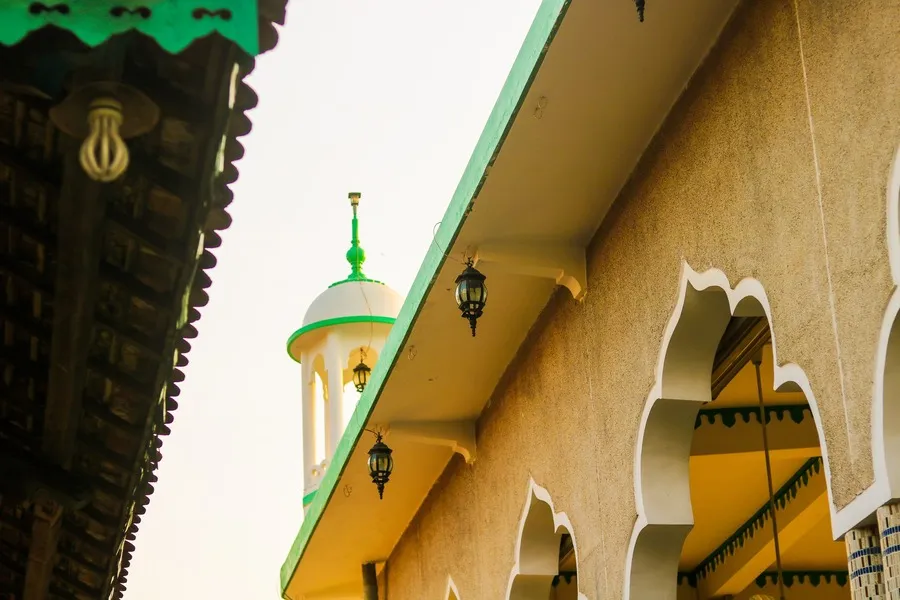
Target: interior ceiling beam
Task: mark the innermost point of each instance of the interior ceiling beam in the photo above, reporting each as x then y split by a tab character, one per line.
25	477
743	338
566	549
796	517
81	211
27	167
82	208
42	551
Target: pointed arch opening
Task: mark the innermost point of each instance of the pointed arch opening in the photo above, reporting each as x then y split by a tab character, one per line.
452	593
546	566
706	474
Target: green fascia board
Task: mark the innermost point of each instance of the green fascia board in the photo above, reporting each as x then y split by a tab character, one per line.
335	321
524	69
174	24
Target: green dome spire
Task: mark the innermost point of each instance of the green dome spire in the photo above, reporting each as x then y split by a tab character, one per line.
356	256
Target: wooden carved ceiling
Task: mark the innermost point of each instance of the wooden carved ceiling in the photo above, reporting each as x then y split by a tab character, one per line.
101	286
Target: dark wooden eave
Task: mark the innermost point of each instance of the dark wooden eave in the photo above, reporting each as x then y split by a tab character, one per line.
101	289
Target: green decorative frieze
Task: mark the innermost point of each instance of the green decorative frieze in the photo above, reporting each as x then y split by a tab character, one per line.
813	578
769	578
760	518
729	416
174	24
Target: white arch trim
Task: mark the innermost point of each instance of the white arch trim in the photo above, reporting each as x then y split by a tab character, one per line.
536	496
451	593
886	420
693	348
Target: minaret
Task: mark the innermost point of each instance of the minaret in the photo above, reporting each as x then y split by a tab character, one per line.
346	325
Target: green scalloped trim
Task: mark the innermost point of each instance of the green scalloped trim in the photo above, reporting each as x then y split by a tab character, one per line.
745	532
174	24
729	416
309	498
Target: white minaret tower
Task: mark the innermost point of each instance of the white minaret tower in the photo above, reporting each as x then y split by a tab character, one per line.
346	325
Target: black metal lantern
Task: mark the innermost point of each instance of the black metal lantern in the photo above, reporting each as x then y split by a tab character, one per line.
471	294
380	464
639	4
361	373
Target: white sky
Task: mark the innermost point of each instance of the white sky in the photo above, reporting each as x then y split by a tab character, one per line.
384	97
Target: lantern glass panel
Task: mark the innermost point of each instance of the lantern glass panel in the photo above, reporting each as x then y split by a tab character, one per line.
361	376
478	292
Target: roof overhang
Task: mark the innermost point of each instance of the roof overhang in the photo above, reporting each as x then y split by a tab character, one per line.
573	119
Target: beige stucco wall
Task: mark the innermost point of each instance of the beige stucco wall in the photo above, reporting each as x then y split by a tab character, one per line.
731	182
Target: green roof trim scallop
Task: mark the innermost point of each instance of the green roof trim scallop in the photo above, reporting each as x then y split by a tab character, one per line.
174	24
534	48
335	321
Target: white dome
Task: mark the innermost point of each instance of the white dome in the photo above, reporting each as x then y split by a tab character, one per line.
354	299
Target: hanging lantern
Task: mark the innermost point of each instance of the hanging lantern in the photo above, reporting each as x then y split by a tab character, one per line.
380	464
639	4
361	373
471	294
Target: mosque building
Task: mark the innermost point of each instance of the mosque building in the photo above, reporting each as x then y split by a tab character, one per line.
684	383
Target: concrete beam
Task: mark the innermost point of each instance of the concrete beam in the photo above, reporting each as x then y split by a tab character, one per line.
459	436
565	263
798	516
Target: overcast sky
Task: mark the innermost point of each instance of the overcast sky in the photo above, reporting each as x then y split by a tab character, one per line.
384	97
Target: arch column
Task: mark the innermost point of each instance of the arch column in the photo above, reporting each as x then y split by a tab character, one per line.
864	564
309	422
889	533
335	405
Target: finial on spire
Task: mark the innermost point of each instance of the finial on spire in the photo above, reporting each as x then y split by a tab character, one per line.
356	256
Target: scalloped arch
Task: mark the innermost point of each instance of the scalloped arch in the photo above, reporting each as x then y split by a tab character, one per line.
537	547
706	303
886	415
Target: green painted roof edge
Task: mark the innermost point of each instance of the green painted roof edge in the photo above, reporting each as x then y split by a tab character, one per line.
534	48
171	24
335	321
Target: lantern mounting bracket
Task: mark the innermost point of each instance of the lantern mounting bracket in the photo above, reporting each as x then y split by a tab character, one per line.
459	436
564	263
